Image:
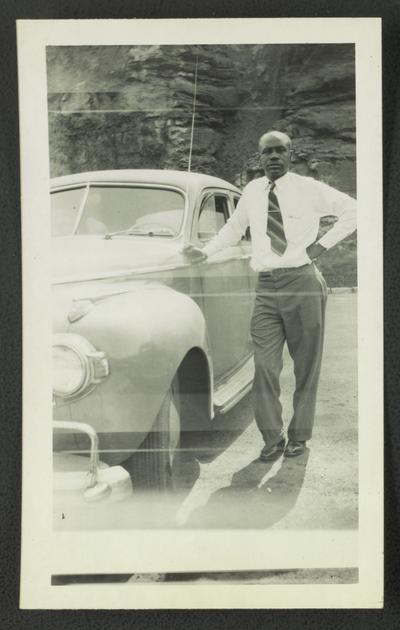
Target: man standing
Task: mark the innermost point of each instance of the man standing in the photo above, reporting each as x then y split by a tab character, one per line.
283	210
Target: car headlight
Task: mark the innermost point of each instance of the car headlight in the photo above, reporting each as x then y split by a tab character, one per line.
77	365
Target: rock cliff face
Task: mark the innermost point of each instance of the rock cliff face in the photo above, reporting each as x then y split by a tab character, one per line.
132	107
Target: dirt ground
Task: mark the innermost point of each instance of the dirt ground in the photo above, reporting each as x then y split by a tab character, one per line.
317	490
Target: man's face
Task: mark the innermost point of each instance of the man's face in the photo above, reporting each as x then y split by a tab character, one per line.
275	155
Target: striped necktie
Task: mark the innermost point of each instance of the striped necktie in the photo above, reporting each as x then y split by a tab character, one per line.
275	229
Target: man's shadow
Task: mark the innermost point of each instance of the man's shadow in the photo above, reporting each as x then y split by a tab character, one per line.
197	447
259	496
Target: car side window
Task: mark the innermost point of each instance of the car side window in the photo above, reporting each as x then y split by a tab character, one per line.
213	215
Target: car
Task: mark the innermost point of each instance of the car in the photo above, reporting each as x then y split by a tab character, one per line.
146	344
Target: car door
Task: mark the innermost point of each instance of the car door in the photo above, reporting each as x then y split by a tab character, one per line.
223	286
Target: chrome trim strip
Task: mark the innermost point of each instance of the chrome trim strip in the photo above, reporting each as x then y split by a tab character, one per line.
81	207
232	389
128	273
233	401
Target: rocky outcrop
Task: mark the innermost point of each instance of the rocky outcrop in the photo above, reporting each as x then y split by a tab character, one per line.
142	116
120	106
132	107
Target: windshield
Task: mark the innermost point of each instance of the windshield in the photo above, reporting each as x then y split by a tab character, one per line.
107	209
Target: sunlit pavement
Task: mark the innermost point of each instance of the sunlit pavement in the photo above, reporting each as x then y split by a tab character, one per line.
222	483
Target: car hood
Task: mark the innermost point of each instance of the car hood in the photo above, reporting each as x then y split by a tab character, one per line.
78	258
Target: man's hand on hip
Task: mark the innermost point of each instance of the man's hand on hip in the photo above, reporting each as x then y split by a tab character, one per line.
315	250
194	254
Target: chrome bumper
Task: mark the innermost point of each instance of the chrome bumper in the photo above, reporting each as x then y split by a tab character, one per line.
98	481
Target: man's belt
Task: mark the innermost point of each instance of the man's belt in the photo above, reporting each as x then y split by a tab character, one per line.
278	270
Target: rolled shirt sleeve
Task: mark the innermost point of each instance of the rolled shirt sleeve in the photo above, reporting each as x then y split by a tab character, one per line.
339	204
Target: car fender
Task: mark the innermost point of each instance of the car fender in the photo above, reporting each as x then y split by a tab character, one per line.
146	334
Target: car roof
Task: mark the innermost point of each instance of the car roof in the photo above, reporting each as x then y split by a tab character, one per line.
182	179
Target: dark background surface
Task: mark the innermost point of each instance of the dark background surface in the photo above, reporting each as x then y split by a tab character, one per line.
10	270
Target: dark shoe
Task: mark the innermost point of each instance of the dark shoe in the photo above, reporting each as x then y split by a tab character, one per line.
294	448
270	453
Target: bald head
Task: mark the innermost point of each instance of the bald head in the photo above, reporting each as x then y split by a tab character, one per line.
275	135
275	150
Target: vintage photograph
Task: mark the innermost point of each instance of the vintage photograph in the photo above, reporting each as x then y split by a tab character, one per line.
204	358
167	367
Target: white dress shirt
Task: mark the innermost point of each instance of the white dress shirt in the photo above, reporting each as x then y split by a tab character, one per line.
303	201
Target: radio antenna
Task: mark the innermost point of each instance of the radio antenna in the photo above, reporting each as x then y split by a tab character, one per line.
193	109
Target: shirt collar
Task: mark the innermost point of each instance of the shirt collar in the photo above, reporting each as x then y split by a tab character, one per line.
278	182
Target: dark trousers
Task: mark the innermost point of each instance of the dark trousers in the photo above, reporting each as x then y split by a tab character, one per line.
289	306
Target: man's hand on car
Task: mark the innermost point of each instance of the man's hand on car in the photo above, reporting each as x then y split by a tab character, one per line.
194	254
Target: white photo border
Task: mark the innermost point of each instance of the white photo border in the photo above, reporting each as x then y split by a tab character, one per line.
45	552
